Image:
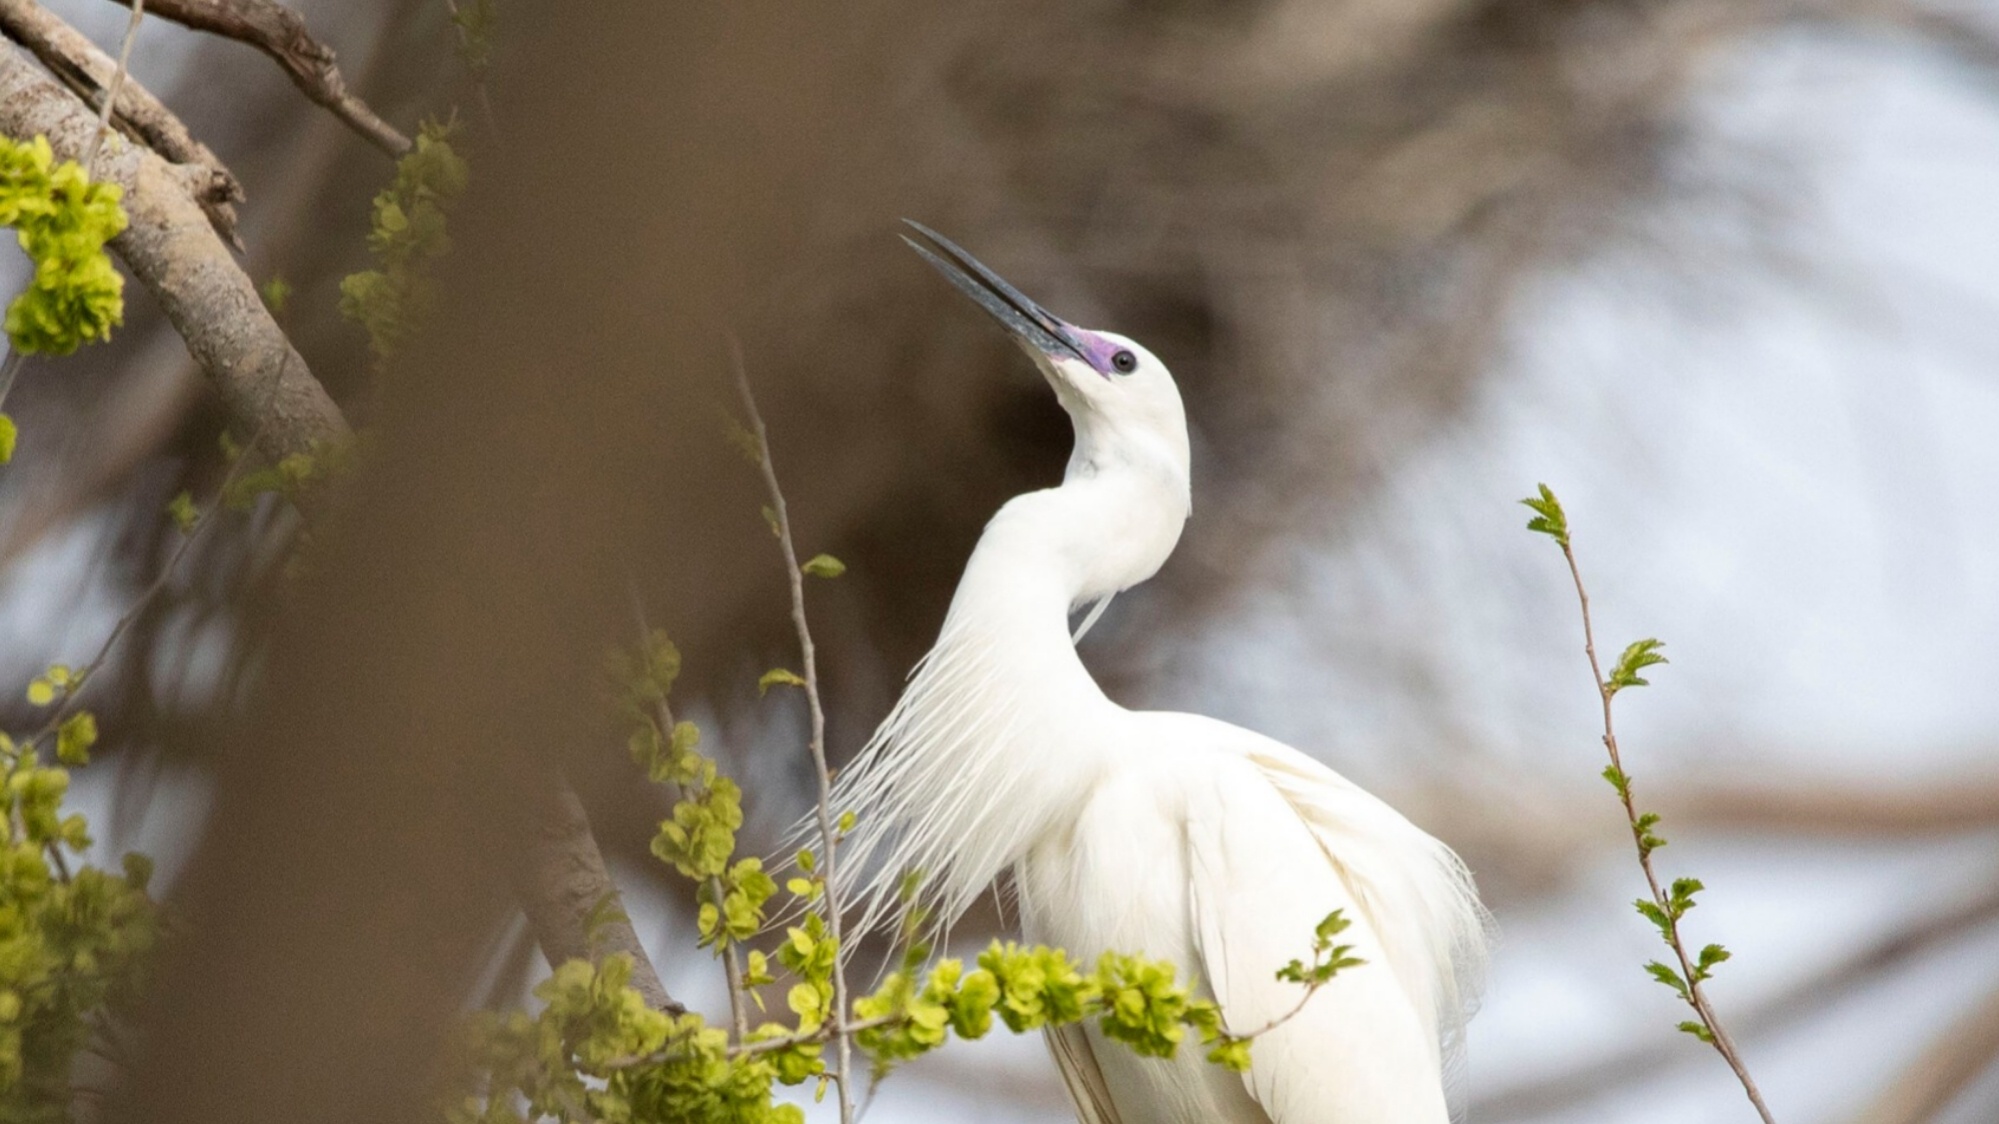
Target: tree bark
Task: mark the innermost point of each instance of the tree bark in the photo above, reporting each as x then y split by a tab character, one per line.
170	247
88	71
564	883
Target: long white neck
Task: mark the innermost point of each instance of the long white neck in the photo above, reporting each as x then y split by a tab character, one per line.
996	735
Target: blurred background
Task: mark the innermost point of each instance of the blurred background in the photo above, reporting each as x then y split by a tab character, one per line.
1724	275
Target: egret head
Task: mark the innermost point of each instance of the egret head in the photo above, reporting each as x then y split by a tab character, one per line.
1120	397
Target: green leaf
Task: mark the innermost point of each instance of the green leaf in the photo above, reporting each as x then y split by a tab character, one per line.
184	514
1698	1031
74	738
1618	780
778	677
605	911
1710	956
1637	656
1657	916
1681	897
1648	839
745	442
9	434
1549	518
1334	924
1231	1054
1668	977
824	566
277	292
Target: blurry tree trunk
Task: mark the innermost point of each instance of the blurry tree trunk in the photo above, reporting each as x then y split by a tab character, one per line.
424	693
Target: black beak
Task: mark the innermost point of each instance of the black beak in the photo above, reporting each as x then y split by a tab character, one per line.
1028	322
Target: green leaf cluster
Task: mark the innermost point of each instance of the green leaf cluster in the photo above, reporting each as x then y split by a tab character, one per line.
394	300
595	1052
732	903
62	220
698	838
58	682
74	948
1328	959
810	954
293	477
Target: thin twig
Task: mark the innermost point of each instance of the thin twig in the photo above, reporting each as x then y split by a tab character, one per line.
732	965
822	1033
478	76
117	83
828	838
82	678
281	33
67	705
1696	998
8	371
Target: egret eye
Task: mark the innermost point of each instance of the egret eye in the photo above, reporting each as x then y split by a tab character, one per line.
1124	362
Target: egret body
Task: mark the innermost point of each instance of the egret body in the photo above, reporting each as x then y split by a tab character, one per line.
1169	835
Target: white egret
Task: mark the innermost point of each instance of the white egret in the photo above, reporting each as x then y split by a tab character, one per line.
1171	835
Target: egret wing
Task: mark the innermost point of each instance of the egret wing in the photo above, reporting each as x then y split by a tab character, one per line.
1273	847
1417	892
1078	1063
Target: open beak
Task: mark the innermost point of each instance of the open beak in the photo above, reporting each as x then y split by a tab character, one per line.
1028	322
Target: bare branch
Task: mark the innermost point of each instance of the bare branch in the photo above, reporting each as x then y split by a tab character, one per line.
828	837
564	884
280	33
265	386
77	62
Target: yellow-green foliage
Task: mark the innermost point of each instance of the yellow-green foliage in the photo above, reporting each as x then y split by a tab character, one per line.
393	300
596	1052
72	946
63	221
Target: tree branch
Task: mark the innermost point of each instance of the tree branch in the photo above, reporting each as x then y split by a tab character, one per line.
265	386
564	885
280	33
89	72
